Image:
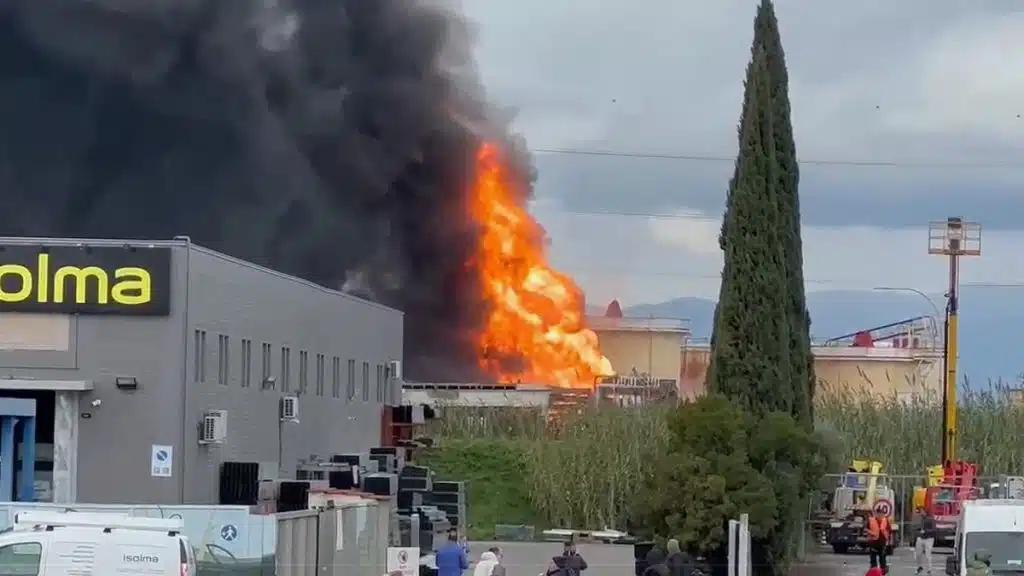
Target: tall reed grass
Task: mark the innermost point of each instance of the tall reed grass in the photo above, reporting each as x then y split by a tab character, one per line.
905	433
582	472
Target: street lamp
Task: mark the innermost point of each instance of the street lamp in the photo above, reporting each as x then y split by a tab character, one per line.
953	238
935	307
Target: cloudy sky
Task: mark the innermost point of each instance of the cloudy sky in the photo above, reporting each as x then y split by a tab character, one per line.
931	87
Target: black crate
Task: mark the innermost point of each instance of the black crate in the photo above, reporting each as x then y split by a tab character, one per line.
450	487
415	483
381	484
293	496
414	471
239	483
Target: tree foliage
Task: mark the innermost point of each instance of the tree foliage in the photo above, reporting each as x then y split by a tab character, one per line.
787	184
760	348
722	461
750	344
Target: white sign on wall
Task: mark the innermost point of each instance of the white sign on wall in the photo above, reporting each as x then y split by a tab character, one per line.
161	461
404	560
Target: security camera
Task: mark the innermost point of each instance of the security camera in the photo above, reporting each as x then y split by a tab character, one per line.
96	403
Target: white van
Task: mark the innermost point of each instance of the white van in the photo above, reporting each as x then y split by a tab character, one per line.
72	544
995	526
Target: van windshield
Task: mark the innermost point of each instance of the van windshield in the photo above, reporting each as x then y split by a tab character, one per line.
1005	548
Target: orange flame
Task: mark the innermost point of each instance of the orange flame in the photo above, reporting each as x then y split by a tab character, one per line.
535	331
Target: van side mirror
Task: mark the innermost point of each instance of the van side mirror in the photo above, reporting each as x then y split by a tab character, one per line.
952	563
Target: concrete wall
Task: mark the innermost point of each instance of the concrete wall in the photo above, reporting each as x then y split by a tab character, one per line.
651	352
233	299
880	377
878	371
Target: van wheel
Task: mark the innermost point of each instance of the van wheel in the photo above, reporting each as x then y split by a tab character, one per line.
840	548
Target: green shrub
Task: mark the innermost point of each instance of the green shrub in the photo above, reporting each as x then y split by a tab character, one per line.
582	474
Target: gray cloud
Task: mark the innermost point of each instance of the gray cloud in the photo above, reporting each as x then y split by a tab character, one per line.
830	195
918	81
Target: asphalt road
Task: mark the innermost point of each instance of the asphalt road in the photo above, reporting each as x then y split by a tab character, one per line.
532	558
825	563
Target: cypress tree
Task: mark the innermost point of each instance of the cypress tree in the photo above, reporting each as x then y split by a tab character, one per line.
767	37
750	343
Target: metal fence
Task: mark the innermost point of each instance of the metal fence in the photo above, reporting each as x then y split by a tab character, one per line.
739	547
820	513
351	540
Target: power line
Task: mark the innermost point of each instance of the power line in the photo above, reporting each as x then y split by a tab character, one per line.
636	214
935	164
619	272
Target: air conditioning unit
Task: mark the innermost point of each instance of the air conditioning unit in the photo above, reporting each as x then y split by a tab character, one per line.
395	369
214	429
290	409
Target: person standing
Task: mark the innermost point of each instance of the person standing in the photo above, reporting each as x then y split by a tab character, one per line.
879	533
679	563
499	568
981	565
485	566
570	563
451	558
925	543
656	565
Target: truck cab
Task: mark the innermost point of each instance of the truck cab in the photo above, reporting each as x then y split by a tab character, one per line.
995	526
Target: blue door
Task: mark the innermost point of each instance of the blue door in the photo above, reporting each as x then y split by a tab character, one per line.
17	449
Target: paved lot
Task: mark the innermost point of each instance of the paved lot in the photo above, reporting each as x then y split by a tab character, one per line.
532	558
902	563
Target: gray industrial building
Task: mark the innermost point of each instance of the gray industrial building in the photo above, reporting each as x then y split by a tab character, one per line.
130	370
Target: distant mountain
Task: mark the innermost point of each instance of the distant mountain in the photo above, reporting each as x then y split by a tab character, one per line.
991	321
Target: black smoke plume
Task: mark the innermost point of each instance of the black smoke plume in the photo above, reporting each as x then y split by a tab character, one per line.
330	139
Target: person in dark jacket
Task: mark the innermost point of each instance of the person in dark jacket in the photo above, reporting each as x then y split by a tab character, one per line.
925	542
570	563
656	563
679	563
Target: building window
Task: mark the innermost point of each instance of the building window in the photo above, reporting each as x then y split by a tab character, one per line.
336	377
200	356
266	382
319	374
380	380
286	368
223	356
366	381
246	363
350	386
303	371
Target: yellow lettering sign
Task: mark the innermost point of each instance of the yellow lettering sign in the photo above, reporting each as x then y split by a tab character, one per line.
132	286
24	277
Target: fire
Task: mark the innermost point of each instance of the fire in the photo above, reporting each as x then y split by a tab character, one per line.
536	315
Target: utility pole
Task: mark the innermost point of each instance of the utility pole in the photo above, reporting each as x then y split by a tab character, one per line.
953	238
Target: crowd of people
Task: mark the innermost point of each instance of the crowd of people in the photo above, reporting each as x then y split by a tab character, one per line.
453	560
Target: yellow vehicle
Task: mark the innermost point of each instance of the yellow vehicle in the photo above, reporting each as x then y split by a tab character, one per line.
863	489
934	477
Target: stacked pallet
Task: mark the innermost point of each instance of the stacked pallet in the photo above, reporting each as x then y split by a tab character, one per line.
450	498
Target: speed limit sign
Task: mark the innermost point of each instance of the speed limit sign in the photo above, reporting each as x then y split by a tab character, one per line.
883	507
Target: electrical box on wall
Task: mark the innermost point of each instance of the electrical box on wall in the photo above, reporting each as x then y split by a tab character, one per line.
214	429
289	408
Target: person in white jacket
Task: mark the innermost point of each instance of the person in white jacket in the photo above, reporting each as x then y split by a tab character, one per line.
488	565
